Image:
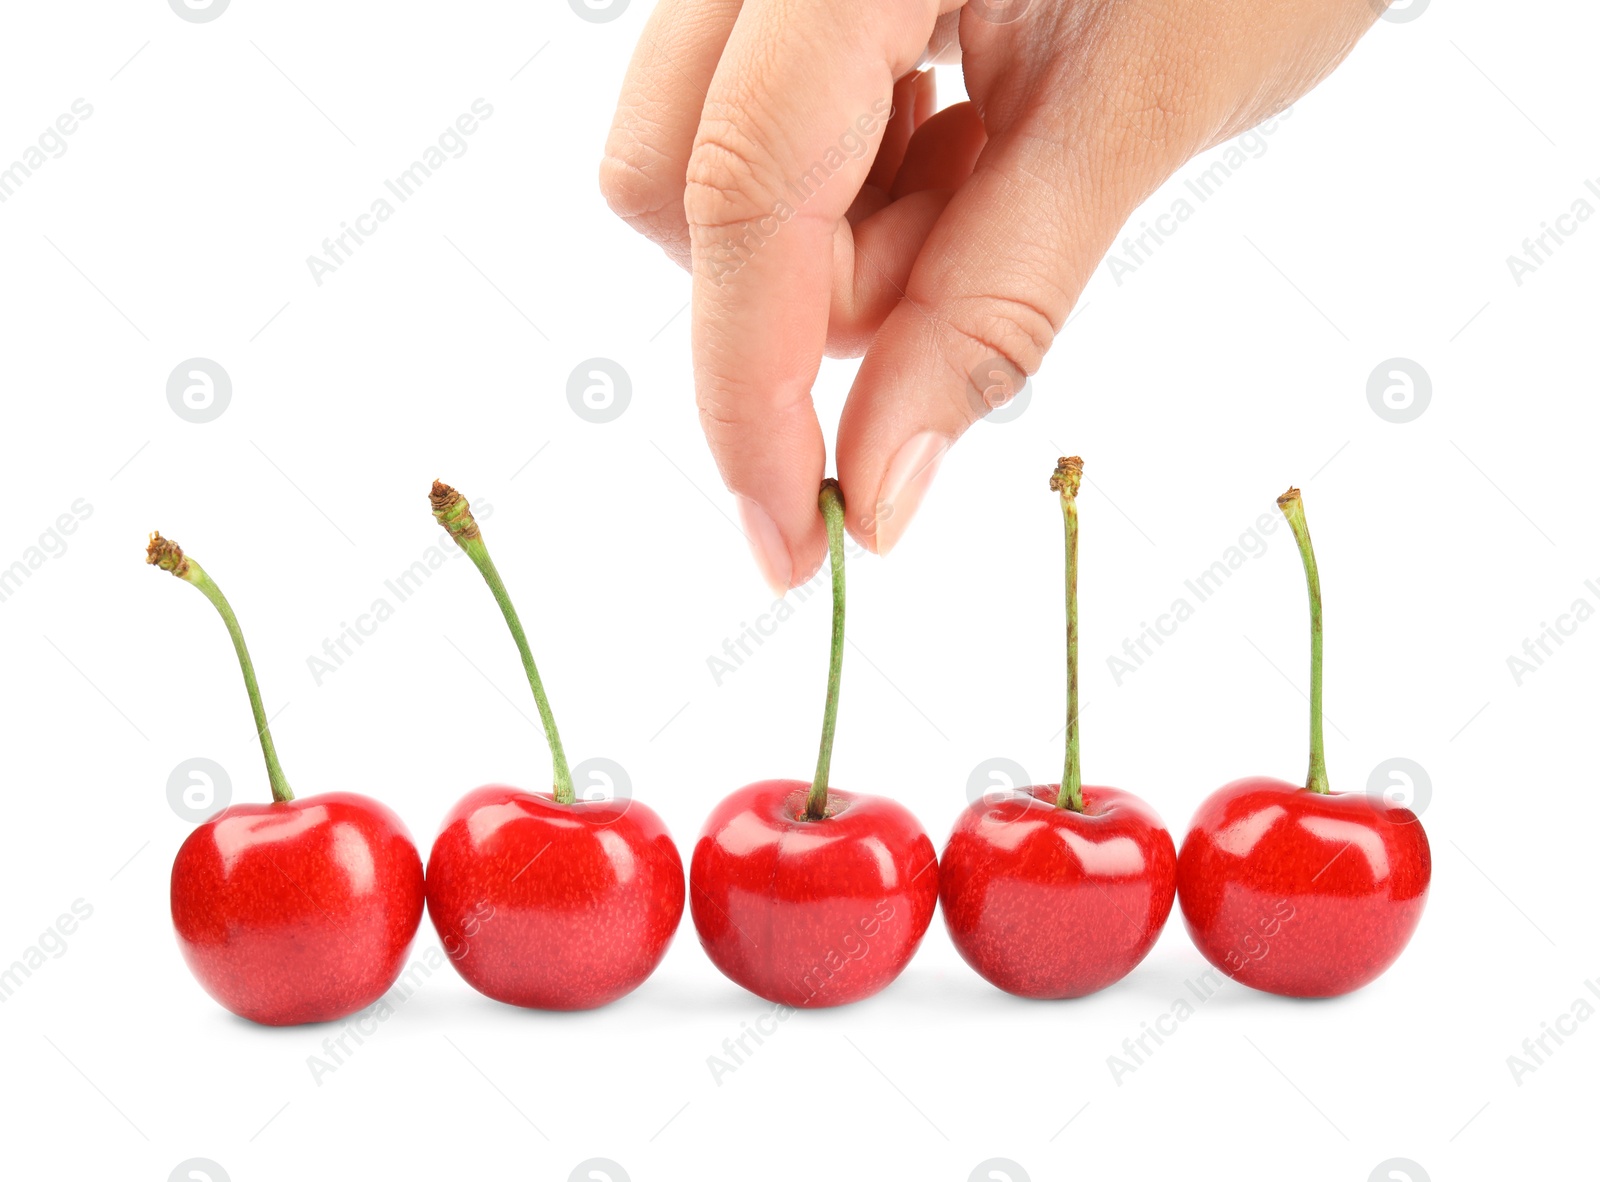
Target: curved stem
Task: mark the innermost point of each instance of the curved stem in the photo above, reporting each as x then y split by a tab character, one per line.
169	556
453	512
1066	481
1289	502
831	502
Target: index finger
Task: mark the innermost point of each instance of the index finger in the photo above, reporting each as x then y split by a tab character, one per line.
790	126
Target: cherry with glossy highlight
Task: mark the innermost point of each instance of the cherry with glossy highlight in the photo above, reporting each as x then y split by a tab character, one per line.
806	895
296	911
1295	889
1060	889
541	899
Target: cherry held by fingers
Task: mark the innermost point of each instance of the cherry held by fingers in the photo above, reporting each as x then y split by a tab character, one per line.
1062	889
541	899
1299	890
300	910
806	895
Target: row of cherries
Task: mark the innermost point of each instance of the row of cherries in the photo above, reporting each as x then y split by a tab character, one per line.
302	910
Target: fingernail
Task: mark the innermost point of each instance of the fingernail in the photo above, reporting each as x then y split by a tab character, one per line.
766	543
904	484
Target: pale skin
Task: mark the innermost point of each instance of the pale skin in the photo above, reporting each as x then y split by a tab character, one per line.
934	245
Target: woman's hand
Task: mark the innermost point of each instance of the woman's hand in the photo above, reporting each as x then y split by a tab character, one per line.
788	153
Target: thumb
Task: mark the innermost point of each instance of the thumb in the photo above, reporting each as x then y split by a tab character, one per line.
995	280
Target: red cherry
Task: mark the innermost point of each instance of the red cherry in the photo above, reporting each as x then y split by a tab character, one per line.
811	913
1302	893
542	899
553	906
1300	890
1046	902
1059	890
297	911
805	895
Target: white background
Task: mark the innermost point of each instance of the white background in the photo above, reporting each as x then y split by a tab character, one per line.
1376	224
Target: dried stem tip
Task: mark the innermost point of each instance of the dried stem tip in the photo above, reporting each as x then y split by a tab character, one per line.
452	511
1068	476
166	554
1288	498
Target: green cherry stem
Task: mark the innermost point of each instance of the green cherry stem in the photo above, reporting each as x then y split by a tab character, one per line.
1066	481
453	512
1294	510
831	502
169	556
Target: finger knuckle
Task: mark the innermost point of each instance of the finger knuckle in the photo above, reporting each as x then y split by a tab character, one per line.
728	178
636	178
719	415
729	410
1012	329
